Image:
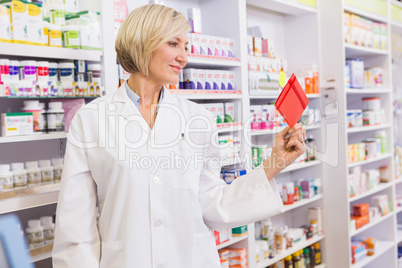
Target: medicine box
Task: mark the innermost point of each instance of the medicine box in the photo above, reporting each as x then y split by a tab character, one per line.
19	20
361	220
237	253
201	79
257	46
35	24
5	24
229	112
316	214
380	201
194	19
14	124
195	40
89	23
224	254
361	209
239	231
190	78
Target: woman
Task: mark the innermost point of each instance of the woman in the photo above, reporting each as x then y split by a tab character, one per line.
148	160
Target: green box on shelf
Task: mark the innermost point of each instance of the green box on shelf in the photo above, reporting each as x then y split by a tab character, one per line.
239	231
396	13
312	3
90	31
378	7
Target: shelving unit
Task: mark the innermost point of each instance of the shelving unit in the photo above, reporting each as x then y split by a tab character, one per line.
303	202
233	240
296	247
334	54
45	52
34	137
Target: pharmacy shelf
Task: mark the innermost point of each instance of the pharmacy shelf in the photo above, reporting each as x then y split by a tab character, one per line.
368	91
41	253
29	197
368	128
371	224
379	158
230	128
353	51
398	180
49	97
207	94
303	202
376	189
383	246
366	14
296	247
262	96
202	61
301	165
277	130
233	240
284	6
34	137
23	50
398	236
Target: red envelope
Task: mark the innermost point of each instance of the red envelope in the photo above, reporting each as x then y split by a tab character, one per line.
292	101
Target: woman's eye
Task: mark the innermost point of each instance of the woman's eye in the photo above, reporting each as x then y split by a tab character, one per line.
186	48
173	44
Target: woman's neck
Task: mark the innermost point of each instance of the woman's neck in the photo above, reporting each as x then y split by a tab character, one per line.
145	88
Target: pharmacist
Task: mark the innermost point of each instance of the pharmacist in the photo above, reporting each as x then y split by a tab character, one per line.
121	157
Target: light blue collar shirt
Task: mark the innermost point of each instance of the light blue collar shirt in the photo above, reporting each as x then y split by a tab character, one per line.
136	99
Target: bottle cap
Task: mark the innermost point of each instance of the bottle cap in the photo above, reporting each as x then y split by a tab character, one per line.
44	163
4	168
34	223
55	105
288	258
31	164
31	104
14	63
57	161
306	251
53	65
316	245
45	220
42	64
17	166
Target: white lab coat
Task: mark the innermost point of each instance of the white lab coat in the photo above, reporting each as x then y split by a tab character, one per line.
150	215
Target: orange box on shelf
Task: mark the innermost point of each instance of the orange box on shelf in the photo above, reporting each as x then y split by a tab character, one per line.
361	209
361	220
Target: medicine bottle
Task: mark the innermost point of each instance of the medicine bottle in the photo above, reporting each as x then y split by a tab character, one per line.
288	262
48	229
46	171
35	234
34	176
19	176
279	240
32	106
6	178
57	164
317	253
43	116
55	117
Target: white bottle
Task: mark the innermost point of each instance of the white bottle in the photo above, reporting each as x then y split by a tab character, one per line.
35	234
43	116
19	176
34	176
48	229
6	179
55	117
57	164
32	106
46	171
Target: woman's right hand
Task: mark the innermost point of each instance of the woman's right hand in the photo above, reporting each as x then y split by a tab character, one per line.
288	146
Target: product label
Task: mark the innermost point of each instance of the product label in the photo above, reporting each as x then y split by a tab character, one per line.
49	236
35	240
20	181
57	175
33	10
33	178
19	7
55	38
8	184
47	177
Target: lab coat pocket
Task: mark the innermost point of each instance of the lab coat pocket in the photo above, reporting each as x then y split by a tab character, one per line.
112	255
204	251
187	173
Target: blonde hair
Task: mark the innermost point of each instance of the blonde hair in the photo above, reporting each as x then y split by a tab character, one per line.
145	30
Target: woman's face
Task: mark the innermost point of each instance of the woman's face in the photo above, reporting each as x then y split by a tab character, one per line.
168	61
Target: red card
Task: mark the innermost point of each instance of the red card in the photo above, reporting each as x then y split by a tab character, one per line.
292	101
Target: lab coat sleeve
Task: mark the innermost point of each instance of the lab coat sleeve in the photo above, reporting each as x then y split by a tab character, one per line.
247	199
76	235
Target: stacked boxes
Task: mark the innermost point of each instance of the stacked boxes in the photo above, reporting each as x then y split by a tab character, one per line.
207	79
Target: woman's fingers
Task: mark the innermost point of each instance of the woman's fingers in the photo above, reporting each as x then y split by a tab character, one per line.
295	128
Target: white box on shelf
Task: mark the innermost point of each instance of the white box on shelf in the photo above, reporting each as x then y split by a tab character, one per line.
15	124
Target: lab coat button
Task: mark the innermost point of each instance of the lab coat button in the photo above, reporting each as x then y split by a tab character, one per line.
157	223
156	179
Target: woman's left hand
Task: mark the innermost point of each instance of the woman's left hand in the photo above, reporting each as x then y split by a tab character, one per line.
288	146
